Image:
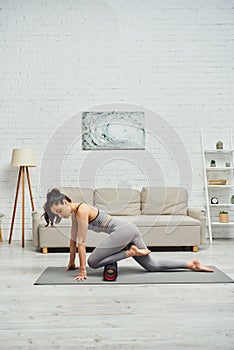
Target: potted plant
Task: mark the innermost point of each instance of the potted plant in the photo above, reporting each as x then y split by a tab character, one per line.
212	163
223	216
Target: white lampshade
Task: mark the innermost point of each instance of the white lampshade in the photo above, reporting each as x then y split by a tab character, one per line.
23	157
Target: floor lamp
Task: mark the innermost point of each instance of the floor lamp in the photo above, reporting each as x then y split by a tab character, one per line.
22	158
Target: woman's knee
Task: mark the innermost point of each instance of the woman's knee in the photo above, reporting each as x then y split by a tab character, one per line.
92	262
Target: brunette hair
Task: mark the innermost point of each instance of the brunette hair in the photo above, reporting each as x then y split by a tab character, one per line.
53	197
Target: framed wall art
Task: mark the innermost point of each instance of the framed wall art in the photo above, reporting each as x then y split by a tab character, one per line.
113	130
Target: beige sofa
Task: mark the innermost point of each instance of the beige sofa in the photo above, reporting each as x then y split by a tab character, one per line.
161	214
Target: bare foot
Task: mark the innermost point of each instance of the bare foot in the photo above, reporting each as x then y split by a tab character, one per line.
134	251
195	265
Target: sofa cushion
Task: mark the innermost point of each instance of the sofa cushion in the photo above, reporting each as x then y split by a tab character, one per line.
164	200
156	230
162	220
78	194
118	201
147	220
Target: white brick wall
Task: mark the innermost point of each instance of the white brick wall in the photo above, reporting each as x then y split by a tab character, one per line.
61	57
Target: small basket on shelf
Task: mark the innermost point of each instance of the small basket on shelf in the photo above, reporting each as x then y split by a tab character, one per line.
223	217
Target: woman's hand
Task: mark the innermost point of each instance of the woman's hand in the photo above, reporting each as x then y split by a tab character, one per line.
82	275
71	266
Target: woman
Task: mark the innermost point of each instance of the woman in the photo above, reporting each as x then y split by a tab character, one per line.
123	240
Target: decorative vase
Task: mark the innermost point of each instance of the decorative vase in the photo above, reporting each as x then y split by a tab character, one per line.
219	145
224	218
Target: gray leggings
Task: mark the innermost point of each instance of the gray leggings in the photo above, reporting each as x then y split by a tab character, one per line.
112	249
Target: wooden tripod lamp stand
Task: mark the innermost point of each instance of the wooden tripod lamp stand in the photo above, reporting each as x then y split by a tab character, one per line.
22	158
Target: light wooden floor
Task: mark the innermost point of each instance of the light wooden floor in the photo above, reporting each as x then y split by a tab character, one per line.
113	317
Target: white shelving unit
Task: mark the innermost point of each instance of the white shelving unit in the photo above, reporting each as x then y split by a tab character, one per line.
220	171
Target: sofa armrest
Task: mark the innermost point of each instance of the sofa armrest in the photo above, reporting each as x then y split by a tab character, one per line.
199	214
36	221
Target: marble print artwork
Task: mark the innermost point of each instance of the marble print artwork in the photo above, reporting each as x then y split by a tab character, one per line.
113	130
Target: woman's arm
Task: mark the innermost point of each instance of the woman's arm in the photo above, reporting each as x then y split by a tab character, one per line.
73	239
83	219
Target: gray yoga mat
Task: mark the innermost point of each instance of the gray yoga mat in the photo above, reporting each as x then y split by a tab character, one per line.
132	275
